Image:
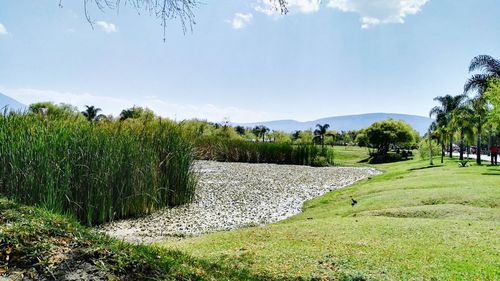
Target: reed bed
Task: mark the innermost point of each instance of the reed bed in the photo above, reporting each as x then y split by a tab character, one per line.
232	150
95	172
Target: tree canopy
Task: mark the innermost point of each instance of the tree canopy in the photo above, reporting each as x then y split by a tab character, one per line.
385	133
52	110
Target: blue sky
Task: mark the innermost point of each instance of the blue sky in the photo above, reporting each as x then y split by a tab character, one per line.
244	62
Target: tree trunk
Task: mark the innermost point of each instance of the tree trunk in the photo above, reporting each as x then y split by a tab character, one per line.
451	146
442	152
461	145
478	152
430	148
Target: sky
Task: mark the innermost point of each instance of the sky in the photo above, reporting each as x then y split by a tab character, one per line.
242	61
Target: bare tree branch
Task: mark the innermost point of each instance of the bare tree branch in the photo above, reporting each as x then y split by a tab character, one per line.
165	10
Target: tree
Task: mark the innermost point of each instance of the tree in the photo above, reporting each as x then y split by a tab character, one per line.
479	108
492	95
385	133
137	112
240	130
462	121
320	132
260	131
91	113
444	113
490	69
57	111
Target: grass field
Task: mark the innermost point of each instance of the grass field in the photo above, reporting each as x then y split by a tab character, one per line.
414	222
350	155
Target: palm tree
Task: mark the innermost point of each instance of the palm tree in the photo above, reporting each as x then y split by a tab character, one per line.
320	133
479	82
490	69
91	113
127	114
480	109
462	122
444	114
439	131
260	131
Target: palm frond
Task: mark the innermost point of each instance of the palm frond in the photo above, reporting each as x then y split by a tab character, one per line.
485	63
478	82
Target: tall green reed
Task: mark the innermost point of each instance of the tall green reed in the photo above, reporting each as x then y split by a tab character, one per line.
233	150
96	172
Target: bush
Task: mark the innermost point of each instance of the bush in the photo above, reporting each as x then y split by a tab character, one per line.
319	161
423	149
96	172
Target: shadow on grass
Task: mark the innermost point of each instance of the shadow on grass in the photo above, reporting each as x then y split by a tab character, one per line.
364	160
426	167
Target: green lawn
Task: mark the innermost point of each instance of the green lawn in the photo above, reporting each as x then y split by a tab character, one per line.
350	155
414	222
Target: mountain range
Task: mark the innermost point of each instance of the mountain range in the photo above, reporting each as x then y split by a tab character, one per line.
346	123
10	104
337	123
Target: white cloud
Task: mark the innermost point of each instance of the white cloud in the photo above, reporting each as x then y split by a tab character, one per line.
302	6
3	30
375	12
107	26
240	20
112	105
372	12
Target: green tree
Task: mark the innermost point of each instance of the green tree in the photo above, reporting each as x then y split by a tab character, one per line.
489	69
385	133
240	130
479	108
260	131
137	112
462	121
91	113
57	111
444	114
320	133
492	95
479	82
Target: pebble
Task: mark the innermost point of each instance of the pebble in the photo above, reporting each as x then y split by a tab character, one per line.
235	195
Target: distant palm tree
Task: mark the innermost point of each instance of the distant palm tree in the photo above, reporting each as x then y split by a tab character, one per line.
127	114
240	130
444	114
260	131
263	131
320	133
490	69
91	113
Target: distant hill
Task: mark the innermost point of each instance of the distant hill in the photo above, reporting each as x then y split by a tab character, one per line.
345	123
11	104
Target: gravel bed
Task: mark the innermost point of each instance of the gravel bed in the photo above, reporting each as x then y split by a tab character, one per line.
235	195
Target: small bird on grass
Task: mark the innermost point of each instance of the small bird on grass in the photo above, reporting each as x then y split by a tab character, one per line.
353	202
